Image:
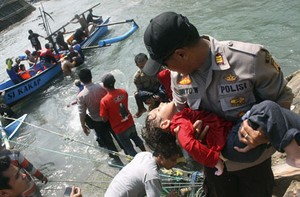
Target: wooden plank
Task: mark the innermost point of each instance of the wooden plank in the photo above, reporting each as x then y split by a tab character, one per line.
116	23
72	20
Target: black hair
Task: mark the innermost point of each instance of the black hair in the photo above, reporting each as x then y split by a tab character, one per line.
85	75
109	86
33	53
140	58
159	141
47	46
4	165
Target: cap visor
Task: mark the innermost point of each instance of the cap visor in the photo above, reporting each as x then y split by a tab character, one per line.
151	67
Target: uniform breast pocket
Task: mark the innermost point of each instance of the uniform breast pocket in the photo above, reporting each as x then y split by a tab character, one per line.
236	105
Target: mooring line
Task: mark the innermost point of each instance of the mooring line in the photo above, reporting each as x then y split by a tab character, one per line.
75	140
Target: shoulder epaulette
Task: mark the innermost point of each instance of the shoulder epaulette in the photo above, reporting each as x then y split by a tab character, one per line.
244	47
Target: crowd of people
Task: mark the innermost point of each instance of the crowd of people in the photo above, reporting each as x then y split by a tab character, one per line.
232	92
69	51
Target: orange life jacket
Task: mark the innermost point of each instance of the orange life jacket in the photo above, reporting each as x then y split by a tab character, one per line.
24	74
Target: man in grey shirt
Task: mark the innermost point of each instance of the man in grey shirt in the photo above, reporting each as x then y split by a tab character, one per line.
141	177
89	100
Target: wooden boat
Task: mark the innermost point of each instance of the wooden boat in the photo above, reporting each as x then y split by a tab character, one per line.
94	37
15	92
11	129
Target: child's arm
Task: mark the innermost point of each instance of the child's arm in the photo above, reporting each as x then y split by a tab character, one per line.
198	151
193	146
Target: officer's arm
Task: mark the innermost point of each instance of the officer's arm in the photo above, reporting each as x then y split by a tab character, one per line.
269	85
269	81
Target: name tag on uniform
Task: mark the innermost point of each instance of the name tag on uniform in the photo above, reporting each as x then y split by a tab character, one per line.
235	88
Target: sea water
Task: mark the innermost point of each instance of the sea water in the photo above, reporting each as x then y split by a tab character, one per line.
274	24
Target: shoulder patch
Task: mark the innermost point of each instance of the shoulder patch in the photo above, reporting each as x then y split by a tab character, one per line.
274	63
244	47
184	80
270	59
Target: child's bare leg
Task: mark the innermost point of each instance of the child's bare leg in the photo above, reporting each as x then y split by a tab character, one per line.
293	154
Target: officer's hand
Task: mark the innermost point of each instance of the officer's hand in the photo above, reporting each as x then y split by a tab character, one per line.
252	138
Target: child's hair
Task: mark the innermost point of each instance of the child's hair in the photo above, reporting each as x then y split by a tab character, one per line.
161	142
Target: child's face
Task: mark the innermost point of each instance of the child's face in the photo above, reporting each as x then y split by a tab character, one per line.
165	111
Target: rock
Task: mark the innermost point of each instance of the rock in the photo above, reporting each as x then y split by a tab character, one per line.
294	83
293	190
287	178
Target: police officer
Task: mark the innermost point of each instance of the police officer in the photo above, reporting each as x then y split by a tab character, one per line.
227	78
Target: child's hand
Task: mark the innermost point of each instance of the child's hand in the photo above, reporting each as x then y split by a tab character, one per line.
220	167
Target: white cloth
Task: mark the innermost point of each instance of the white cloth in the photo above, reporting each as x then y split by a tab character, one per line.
137	179
89	99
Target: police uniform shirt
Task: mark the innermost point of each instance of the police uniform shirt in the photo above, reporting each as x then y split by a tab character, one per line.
240	75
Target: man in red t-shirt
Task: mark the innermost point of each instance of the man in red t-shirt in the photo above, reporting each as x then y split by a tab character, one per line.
114	108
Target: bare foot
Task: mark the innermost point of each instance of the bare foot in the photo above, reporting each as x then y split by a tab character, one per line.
139	113
293	154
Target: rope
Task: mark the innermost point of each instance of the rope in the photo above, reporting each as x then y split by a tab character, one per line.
57	152
82	182
75	140
165	188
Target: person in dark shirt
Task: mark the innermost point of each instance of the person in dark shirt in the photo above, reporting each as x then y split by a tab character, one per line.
77	48
79	35
16	66
74	56
60	41
90	18
33	37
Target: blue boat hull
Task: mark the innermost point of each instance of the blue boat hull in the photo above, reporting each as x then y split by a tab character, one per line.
15	92
95	36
